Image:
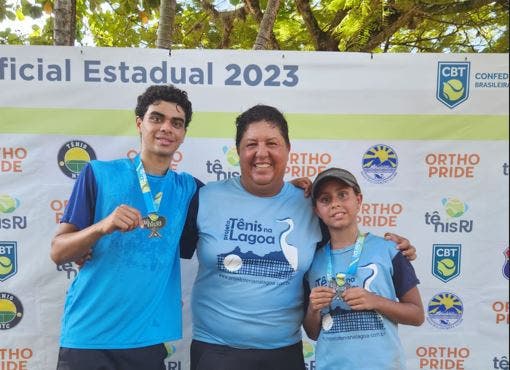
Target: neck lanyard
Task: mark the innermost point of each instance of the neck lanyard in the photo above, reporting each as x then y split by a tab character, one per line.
151	203
353	265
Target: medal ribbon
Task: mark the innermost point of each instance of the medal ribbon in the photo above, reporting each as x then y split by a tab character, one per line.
151	203
353	265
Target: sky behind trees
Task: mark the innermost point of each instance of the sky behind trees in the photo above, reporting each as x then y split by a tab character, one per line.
332	25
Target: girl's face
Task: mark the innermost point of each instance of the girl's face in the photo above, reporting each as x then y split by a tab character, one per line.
337	204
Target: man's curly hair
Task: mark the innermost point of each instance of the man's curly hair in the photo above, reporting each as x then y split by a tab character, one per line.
168	93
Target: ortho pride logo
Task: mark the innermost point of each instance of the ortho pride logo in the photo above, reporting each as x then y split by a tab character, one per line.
452	83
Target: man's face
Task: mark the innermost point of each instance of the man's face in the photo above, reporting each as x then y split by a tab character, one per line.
162	128
263	155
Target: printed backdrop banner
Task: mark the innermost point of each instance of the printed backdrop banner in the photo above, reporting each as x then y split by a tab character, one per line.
426	135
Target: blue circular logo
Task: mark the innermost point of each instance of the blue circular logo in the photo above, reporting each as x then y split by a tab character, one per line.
379	164
445	310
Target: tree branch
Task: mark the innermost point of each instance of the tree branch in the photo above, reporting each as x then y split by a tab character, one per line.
321	40
226	18
389	30
64	29
253	7
267	24
166	23
454	7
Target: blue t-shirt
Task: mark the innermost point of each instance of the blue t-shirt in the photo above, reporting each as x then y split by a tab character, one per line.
253	253
362	339
129	294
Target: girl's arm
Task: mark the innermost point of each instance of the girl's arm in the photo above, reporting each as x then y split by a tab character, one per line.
320	297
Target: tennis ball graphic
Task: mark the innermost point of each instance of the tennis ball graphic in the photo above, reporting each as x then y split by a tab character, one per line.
5	265
453	89
454	207
308	349
340	279
446	267
170	349
232	157
8	204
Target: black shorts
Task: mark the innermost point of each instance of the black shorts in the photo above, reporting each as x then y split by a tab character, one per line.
206	356
143	358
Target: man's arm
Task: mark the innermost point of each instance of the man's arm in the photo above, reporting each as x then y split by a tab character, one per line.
403	245
71	244
303	183
189	237
77	232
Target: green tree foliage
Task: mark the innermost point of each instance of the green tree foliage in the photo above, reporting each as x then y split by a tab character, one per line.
334	25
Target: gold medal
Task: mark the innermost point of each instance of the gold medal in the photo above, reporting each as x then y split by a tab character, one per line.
340	285
340	279
154	223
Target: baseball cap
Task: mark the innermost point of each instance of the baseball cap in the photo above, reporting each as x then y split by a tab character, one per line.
335	173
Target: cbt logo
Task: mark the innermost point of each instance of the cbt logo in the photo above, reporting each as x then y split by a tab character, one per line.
452	83
446	261
73	156
8	260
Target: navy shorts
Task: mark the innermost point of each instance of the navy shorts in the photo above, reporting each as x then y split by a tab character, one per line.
146	358
206	356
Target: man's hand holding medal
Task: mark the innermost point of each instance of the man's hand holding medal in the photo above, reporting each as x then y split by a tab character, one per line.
123	218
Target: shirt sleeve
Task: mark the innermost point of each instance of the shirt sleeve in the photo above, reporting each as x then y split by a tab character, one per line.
81	206
189	236
404	276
